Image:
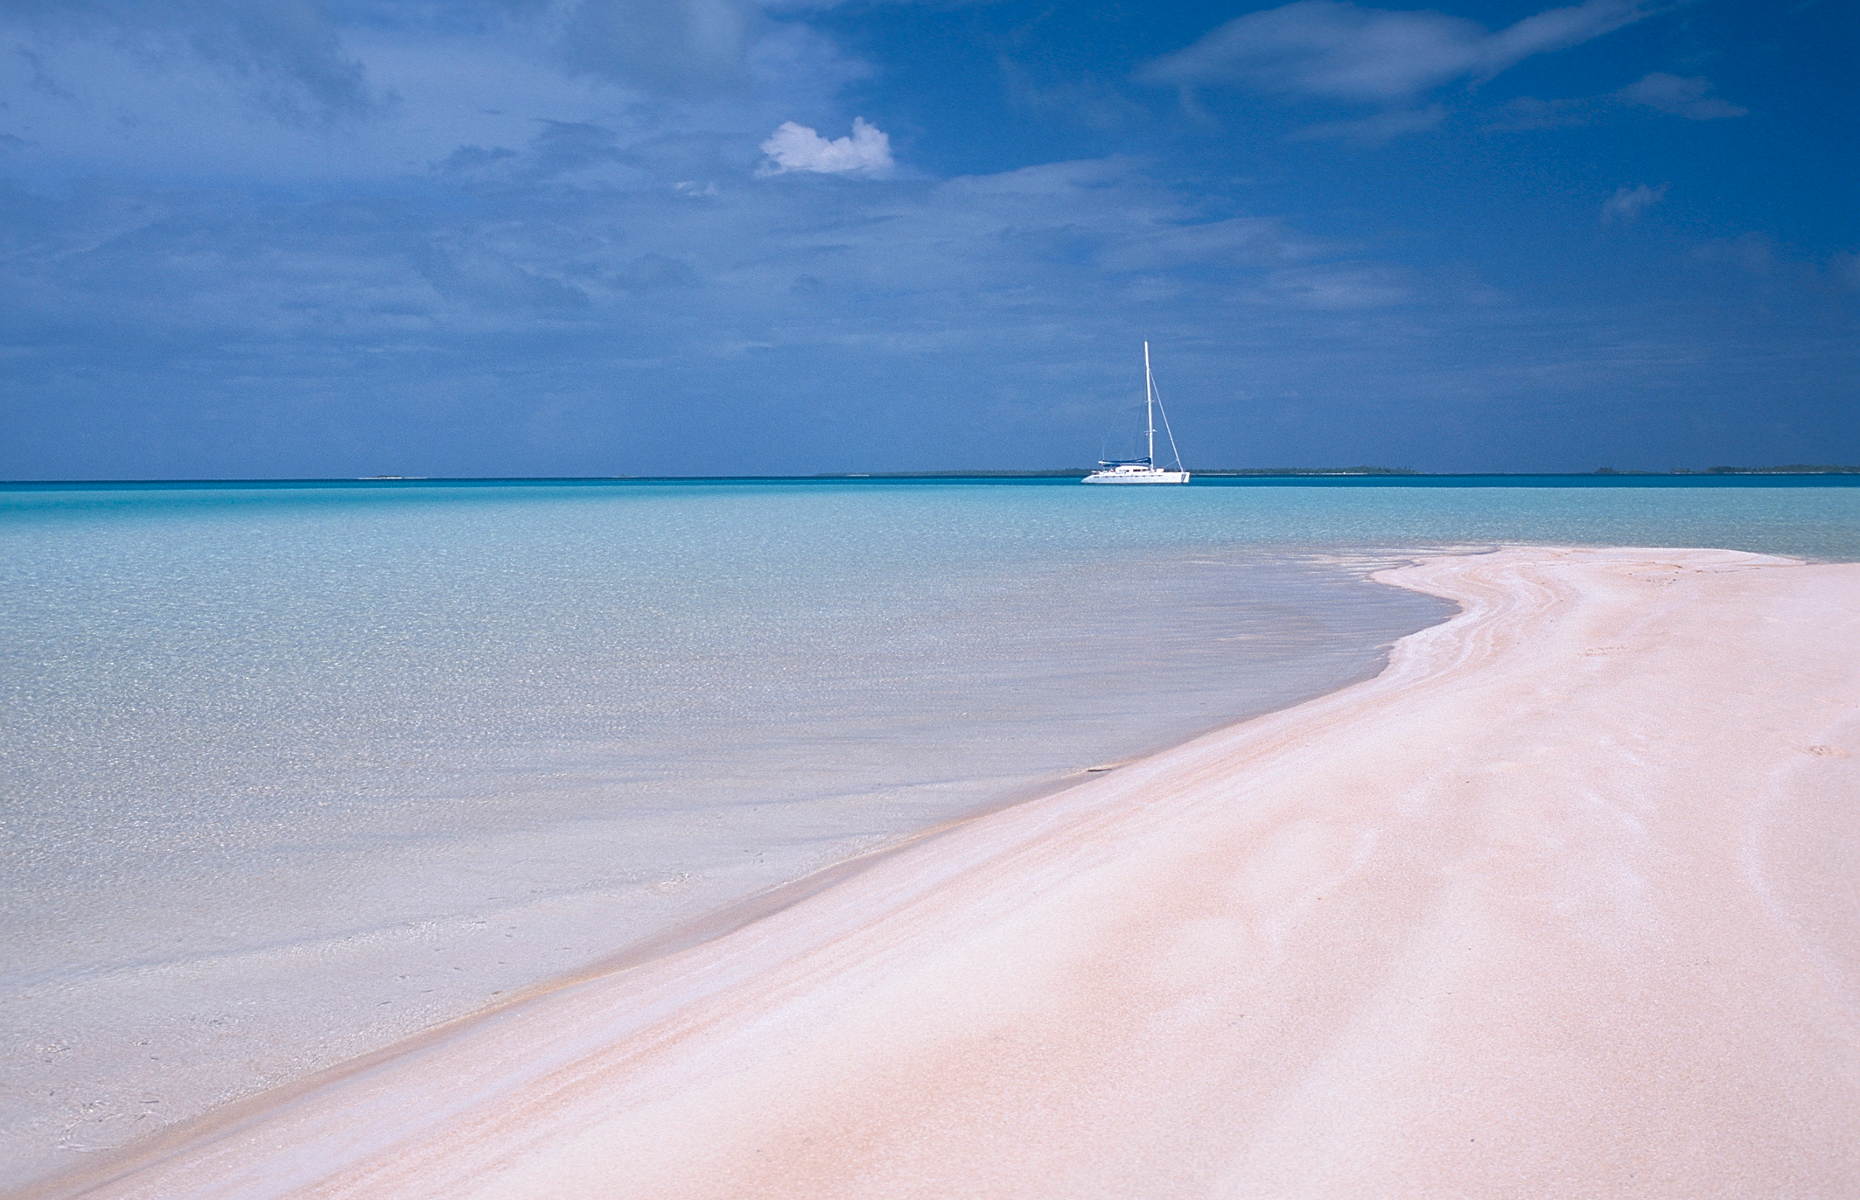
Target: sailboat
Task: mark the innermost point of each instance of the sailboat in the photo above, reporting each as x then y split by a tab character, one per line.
1143	470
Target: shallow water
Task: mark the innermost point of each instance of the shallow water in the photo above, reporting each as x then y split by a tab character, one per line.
293	771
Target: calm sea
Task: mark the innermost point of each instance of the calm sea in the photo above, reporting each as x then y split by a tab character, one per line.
293	770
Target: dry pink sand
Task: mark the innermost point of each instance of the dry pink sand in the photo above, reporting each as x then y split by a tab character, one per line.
1564	903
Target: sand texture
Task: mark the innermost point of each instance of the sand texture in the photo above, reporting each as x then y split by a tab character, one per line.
1564	903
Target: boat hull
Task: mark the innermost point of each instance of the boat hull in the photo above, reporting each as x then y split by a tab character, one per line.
1126	477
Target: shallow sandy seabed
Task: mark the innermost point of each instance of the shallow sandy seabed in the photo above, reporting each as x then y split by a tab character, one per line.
1562	903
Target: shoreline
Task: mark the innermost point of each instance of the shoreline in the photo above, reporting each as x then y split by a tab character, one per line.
143	991
700	1071
684	934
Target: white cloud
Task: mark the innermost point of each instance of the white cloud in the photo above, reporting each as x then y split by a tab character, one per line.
1337	50
1628	203
1682	96
792	147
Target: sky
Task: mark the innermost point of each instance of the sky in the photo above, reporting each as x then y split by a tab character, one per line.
292	238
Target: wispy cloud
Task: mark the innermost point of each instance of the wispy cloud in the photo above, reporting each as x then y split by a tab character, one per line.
792	147
558	150
1628	203
1243	241
1376	128
1041	89
1682	96
1533	112
1336	287
1761	257
676	46
1340	51
1675	95
288	56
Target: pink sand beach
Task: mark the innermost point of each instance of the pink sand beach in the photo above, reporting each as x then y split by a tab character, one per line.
1565	902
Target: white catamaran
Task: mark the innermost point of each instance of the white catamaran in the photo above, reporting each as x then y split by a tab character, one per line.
1143	470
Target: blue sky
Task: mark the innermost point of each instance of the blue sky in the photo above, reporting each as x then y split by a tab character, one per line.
591	237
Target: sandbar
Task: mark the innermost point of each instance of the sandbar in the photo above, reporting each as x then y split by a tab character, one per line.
1564	902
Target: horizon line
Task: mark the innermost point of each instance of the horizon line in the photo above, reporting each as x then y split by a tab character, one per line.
1028	473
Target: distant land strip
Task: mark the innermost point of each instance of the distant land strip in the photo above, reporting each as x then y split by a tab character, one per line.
1047	473
1792	469
1239	472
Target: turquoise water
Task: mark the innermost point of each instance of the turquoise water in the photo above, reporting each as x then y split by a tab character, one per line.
292	770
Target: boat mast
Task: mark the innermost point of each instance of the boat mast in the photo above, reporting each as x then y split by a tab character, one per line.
1149	404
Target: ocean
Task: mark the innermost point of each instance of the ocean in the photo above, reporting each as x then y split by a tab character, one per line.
294	770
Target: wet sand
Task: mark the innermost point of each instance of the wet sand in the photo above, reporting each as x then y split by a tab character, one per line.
1564	902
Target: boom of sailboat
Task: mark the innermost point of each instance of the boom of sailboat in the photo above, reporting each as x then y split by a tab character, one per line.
1144	470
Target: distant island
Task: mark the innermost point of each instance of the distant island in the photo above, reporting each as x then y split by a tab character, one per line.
1069	472
1276	472
1792	469
1234	471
